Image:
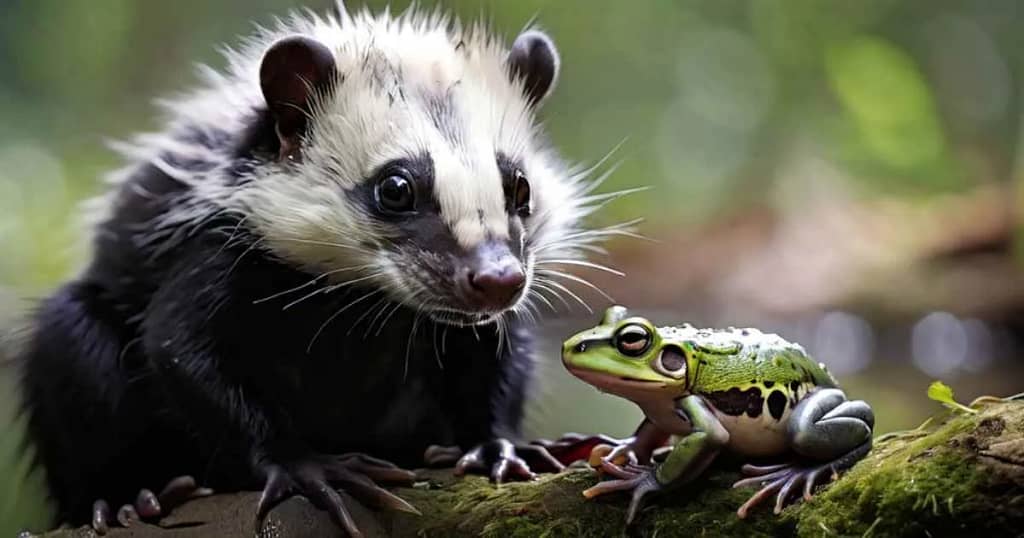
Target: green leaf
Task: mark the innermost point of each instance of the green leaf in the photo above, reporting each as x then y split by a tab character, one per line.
941	392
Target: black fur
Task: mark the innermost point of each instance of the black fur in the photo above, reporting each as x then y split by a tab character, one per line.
161	360
173	353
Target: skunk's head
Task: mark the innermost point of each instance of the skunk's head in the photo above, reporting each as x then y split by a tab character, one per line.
407	157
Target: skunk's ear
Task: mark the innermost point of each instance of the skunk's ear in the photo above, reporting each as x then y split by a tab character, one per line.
293	70
534	60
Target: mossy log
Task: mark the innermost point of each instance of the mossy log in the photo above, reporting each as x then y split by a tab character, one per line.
962	474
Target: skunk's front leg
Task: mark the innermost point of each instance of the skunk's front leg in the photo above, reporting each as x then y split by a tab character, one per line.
315	476
278	462
488	410
216	371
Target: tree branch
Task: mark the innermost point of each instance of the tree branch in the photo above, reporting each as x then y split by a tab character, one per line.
961	475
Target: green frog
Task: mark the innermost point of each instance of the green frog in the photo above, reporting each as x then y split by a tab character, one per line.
740	390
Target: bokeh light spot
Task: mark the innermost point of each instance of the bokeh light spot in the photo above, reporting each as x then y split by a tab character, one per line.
844	342
939	344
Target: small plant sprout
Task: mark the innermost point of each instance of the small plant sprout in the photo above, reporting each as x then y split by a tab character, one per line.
942	393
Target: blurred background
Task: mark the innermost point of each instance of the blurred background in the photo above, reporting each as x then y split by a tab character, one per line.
847	174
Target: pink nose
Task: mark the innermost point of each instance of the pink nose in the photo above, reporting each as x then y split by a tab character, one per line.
496	286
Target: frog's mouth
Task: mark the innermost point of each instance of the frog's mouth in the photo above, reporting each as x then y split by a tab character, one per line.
617	384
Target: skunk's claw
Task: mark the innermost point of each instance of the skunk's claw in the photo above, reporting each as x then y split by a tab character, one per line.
316	477
147	505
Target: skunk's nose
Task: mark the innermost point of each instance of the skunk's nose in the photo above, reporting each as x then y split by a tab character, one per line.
497	286
495	279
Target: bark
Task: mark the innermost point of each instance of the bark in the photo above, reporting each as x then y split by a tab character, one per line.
960	474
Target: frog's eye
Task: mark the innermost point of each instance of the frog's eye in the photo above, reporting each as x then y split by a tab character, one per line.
633	340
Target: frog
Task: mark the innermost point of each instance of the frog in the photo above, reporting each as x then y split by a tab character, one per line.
743	391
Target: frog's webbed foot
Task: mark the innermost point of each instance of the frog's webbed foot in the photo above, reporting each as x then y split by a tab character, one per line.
604	456
829	433
315	477
502	460
638	479
637	449
147	505
621	460
781	481
687	459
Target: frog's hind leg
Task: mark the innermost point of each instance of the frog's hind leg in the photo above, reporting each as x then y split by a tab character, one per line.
829	433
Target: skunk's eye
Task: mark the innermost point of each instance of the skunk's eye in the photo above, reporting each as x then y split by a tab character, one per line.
395	193
520	193
633	340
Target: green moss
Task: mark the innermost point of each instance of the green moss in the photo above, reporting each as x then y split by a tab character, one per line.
922	481
908	486
554	507
942	480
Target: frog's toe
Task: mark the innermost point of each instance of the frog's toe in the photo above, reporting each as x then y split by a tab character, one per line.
611	468
622	455
610	486
761	470
641	482
782	481
599	454
782	471
774	485
573	447
647	486
812	480
795	481
808	478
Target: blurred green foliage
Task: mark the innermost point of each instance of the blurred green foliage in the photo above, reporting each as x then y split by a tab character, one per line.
887	99
718	100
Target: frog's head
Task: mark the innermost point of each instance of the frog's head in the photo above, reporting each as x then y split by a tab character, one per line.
627	356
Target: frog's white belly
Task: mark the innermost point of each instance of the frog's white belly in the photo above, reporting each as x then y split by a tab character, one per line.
756	437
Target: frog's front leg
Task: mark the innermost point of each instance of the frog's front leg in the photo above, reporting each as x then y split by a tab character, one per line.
599	449
687	460
829	432
637	450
